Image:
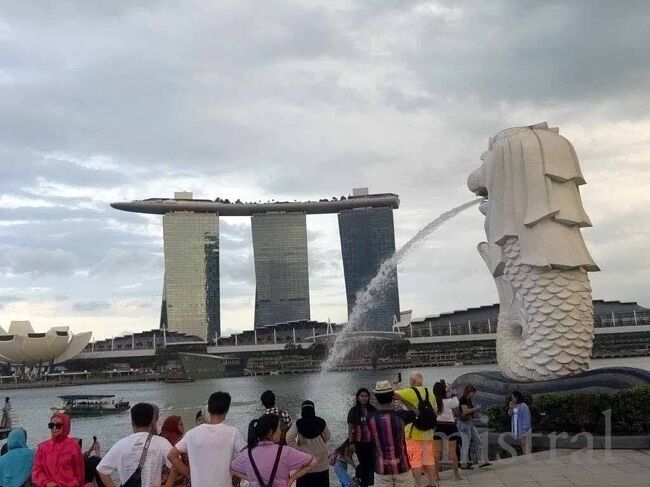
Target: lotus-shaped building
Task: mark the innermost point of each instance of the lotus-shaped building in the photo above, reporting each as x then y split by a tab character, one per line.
22	346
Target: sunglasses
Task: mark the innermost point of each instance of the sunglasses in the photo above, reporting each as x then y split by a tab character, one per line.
57	426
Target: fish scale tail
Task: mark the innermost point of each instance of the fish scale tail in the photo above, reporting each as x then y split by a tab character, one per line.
556	318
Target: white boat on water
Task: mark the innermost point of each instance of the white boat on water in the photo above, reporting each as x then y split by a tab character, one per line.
90	404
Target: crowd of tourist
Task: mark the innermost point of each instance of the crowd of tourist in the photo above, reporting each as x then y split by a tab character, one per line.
398	442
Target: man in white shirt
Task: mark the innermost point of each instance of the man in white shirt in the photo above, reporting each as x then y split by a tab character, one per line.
210	447
124	457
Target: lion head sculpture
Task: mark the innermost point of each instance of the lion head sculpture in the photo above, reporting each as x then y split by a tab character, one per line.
530	177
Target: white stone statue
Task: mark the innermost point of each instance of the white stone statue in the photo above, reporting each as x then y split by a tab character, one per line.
535	252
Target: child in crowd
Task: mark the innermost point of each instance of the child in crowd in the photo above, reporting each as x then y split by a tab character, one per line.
340	459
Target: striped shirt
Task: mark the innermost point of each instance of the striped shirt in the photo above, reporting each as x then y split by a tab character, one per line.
387	436
283	415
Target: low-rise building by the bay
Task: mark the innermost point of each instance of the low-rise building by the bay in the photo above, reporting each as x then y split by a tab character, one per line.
622	329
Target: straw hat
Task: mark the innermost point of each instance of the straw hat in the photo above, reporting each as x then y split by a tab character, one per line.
383	387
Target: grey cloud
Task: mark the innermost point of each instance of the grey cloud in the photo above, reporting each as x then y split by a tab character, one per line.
236	290
91	306
6	299
89	238
155	99
46	213
128	262
325	263
237	271
330	175
23	167
73	174
235	233
313	235
147	96
37	262
530	52
237	267
302	102
156	102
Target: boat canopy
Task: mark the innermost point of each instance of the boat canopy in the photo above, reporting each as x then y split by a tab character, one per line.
86	396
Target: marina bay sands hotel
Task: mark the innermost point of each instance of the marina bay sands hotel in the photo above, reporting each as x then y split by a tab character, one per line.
190	301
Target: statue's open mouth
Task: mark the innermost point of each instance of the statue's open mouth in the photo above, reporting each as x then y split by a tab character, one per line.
481	191
476	184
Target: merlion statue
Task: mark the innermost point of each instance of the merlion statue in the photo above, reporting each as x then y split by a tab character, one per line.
535	252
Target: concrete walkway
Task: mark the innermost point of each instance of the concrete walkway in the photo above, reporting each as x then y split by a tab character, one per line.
562	468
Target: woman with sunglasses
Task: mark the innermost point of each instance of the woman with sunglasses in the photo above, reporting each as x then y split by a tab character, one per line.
59	461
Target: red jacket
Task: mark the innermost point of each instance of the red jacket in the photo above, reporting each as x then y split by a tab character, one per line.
59	460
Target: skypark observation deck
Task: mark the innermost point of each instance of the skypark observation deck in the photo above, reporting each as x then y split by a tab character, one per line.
160	206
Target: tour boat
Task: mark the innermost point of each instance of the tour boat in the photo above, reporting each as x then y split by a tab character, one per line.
177	377
178	380
90	404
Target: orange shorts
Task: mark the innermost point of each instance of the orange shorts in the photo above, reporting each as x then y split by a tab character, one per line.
420	452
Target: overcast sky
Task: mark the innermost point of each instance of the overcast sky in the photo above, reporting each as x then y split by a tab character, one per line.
107	101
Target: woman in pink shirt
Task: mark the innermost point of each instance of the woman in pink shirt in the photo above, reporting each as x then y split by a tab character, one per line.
266	463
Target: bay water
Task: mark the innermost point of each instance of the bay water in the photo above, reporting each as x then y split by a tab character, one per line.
333	394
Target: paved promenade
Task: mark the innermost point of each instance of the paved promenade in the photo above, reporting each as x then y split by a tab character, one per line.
602	468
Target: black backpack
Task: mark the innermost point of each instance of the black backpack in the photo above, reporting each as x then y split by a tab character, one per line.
426	419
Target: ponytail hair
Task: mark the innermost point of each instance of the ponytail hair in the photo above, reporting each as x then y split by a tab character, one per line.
260	429
440	393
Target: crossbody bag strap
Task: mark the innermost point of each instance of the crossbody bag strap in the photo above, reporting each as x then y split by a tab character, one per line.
144	451
275	466
417	393
273	472
255	469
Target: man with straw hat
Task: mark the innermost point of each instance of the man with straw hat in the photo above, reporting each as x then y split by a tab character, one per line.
386	427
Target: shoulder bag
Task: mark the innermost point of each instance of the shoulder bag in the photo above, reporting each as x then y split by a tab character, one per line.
135	480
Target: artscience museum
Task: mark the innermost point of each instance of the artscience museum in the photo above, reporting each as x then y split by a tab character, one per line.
21	345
